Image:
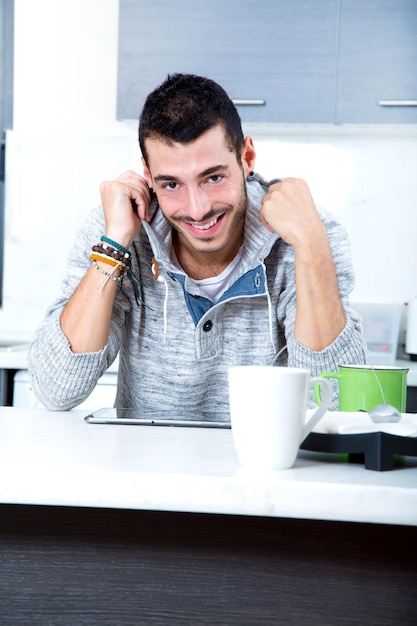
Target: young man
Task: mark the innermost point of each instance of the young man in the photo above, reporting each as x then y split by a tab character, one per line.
227	269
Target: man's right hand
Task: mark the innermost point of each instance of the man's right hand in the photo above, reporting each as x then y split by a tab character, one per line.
125	203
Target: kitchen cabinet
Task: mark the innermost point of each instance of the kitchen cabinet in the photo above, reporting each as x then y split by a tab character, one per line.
281	53
98	566
377	61
299	61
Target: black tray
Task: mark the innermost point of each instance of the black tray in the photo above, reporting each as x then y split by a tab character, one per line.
375	450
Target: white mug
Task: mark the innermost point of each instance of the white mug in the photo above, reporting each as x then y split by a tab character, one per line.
268	413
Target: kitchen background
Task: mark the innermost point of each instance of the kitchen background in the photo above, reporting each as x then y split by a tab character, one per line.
66	139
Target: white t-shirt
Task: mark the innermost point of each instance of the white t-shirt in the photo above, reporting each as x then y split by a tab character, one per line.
215	286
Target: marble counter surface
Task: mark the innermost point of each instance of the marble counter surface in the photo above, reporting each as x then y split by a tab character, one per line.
56	458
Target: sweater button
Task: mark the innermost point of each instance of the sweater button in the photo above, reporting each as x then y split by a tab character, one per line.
208	326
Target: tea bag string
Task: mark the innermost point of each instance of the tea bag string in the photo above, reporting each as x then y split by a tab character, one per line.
369	364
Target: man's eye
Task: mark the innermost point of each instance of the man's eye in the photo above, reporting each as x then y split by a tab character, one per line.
171	185
215	178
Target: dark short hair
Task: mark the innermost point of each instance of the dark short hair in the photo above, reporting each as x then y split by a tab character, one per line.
184	107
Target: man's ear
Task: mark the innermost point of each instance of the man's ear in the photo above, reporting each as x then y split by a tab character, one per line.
147	174
248	156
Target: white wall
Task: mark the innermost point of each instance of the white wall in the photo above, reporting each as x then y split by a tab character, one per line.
66	140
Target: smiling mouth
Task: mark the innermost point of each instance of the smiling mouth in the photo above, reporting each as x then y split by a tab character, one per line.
207	226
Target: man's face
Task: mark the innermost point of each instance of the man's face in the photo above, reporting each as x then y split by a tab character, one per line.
201	189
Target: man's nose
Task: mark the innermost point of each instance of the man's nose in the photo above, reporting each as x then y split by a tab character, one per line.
198	203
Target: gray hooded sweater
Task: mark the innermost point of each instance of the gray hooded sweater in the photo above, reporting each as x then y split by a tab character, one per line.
175	346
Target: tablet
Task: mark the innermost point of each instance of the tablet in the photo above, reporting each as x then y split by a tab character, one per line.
133	417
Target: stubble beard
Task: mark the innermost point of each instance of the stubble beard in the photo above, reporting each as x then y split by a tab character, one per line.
237	222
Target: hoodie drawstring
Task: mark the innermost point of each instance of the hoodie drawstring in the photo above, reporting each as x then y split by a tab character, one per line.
157	276
270	312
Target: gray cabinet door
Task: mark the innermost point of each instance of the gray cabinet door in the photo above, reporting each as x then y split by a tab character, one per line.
378	61
281	52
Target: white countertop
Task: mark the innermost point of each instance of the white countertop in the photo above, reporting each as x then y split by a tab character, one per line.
56	458
14	357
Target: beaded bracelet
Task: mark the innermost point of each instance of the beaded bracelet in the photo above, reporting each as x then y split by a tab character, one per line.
106	250
108	274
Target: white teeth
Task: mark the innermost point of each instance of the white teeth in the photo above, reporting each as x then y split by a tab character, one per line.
207	226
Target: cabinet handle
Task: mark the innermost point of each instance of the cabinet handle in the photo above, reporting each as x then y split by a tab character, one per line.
248	102
398	103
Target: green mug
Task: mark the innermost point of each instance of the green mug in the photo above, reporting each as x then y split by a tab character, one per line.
361	387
